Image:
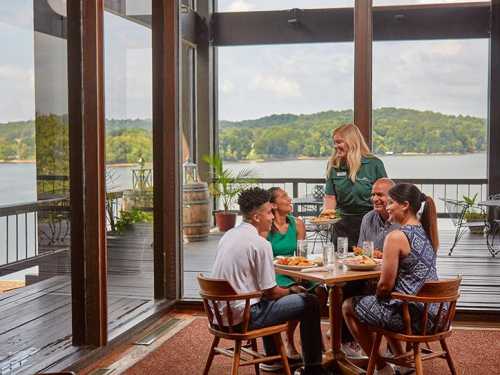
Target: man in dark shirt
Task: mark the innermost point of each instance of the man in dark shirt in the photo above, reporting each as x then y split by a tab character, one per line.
375	226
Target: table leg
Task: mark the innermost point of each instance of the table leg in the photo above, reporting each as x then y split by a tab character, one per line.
336	356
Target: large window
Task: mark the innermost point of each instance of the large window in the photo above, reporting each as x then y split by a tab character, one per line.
259	5
34	183
282	102
129	156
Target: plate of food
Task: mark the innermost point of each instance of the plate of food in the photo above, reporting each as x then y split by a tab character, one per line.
326	217
360	263
294	263
377	254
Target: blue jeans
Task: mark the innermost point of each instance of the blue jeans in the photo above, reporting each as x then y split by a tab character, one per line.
303	307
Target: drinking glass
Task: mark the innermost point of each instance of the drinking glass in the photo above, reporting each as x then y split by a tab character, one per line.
302	248
368	248
342	247
329	256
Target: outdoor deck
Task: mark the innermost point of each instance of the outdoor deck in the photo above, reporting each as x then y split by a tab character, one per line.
38	317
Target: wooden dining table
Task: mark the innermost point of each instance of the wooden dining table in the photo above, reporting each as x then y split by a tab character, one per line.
335	281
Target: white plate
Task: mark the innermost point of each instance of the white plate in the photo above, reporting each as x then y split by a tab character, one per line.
293	268
360	267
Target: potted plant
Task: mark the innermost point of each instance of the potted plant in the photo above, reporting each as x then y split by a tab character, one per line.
474	216
225	185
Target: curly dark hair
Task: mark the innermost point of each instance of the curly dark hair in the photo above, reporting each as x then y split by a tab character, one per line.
251	199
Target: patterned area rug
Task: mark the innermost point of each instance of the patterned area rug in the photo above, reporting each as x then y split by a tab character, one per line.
475	352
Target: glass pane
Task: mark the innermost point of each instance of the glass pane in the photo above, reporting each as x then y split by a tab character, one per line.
34	184
129	156
416	2
258	5
282	102
430	108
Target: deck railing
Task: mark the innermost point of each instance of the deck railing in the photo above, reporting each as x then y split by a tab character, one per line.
438	189
30	231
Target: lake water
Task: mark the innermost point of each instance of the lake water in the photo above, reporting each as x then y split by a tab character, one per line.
18	181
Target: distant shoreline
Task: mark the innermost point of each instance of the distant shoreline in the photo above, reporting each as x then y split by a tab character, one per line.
123	165
326	157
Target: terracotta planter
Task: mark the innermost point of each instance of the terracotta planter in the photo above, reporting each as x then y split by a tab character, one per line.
225	220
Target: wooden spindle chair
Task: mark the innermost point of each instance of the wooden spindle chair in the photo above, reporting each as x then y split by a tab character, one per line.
442	292
217	293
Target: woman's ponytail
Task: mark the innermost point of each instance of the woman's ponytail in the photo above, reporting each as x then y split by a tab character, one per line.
429	221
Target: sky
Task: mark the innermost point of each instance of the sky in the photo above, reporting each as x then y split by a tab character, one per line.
448	76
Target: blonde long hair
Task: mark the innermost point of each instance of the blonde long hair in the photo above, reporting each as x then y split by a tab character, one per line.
357	148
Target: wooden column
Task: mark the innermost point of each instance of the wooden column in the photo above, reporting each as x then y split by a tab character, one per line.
167	260
205	92
494	102
363	35
87	192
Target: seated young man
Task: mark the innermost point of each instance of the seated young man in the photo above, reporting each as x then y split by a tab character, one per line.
245	260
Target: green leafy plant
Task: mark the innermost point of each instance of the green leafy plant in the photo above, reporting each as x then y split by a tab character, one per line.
127	218
473	213
226	184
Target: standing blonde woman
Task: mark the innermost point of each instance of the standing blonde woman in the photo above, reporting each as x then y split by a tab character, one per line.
351	172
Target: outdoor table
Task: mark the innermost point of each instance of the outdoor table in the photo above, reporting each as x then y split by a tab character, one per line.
495	226
335	282
307	206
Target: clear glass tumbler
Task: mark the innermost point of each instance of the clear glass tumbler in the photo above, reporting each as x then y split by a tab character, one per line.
301	248
329	256
342	247
368	248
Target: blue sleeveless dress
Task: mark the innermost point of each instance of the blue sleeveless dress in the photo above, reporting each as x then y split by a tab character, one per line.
414	270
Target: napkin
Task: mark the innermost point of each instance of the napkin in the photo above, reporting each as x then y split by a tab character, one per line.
315	269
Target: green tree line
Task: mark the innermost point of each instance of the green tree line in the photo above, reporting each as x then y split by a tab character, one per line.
395	130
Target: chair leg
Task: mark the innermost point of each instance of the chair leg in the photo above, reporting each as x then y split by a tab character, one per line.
236	358
254	348
374	354
281	350
418	359
211	355
449	359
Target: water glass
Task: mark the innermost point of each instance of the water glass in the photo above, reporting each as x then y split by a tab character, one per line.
368	248
302	248
342	247
329	256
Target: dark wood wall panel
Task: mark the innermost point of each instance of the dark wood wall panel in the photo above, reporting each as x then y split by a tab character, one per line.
494	102
166	149
363	68
443	21
86	116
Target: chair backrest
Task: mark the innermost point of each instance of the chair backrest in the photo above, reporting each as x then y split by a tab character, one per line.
217	295
443	293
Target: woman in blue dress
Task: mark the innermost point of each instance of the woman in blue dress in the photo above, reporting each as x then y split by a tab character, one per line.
409	261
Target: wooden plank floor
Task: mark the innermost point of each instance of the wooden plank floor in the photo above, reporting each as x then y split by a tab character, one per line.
38	316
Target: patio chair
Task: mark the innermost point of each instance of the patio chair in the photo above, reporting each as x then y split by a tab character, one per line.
442	292
457	210
217	293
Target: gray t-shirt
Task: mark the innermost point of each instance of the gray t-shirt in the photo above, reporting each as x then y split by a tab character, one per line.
373	228
245	260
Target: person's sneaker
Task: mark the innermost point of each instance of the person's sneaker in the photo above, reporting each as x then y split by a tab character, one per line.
402	370
277	366
353	350
317	370
387	370
271	367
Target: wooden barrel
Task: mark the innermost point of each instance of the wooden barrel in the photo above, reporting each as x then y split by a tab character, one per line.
195	213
